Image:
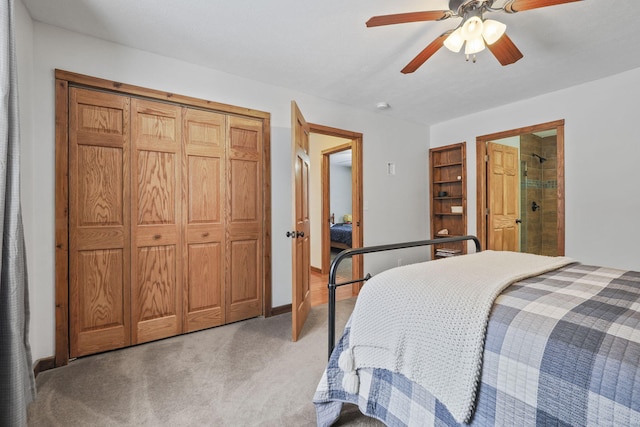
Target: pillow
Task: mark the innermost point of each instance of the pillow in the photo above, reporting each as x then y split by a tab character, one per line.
347	218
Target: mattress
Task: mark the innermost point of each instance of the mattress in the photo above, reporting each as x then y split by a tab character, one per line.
341	233
561	348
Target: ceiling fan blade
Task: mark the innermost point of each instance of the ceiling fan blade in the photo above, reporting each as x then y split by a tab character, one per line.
520	5
505	51
426	53
402	18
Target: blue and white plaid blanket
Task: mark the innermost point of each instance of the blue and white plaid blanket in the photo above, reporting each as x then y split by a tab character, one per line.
562	348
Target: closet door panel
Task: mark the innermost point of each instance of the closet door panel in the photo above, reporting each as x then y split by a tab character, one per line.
156	292
204	195
244	218
205	286
244	290
99	222
156	296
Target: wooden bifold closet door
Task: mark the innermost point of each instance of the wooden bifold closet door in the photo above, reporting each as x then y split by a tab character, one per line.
244	219
156	252
99	222
204	201
165	220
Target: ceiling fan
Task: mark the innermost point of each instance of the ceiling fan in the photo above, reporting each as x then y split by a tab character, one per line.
473	31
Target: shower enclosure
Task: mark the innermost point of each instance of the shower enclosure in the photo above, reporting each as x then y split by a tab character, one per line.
506	214
538	195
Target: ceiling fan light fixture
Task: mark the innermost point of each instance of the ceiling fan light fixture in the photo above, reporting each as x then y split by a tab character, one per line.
472	28
474	45
455	41
492	31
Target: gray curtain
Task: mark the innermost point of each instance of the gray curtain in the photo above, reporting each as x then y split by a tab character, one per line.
17	385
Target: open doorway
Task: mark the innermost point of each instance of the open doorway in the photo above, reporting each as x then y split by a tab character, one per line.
520	192
337	195
335	206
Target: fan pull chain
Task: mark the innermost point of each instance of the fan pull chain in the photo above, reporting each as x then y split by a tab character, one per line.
473	59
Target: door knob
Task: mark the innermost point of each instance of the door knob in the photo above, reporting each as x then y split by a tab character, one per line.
291	234
300	234
518	221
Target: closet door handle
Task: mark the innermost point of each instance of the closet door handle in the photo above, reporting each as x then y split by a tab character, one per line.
300	234
291	234
518	221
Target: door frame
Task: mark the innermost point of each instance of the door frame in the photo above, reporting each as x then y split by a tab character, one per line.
65	79
325	183
481	177
357	235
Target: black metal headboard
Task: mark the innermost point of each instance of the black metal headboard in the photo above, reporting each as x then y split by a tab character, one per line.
366	250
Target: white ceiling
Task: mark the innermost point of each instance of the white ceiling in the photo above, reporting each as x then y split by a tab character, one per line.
323	48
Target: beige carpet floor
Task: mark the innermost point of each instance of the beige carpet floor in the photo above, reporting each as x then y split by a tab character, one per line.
248	373
344	268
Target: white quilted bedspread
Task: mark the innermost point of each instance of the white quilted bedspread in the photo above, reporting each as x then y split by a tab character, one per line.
427	321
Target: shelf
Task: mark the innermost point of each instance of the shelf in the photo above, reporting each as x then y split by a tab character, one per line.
449	182
447	173
444	165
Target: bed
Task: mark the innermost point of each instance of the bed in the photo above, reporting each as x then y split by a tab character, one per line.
340	235
558	347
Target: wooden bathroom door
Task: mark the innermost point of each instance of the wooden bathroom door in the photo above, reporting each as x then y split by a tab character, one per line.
503	197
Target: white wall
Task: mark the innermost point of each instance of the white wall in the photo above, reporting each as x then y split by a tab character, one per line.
340	190
602	152
384	140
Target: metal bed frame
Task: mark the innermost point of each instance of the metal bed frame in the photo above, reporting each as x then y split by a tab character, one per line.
370	249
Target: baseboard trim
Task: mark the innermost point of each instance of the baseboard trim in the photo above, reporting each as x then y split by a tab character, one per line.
316	269
44	364
283	309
